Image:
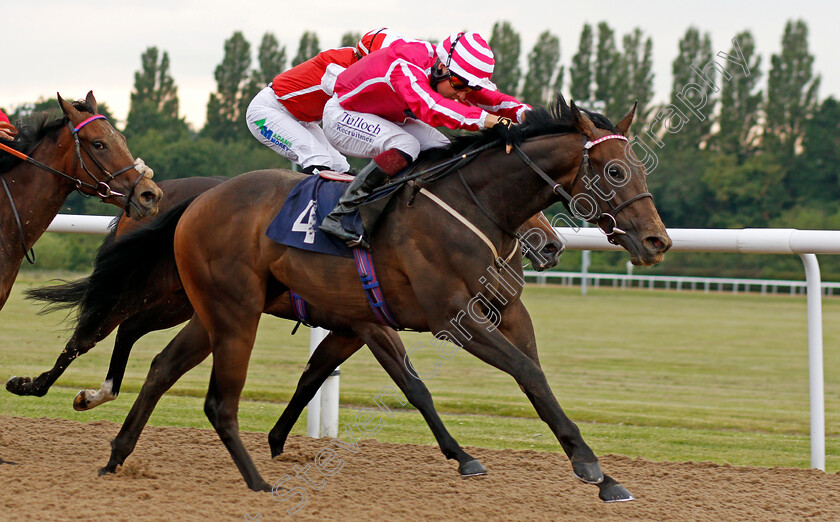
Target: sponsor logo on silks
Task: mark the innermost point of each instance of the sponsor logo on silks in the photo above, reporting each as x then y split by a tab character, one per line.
269	135
373	129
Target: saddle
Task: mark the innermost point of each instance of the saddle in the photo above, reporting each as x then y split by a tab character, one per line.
309	202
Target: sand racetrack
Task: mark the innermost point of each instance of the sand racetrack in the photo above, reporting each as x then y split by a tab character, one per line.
186	473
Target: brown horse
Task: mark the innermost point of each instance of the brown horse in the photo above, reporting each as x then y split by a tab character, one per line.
50	159
164	303
433	271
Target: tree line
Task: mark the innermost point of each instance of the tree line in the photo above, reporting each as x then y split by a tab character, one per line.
739	143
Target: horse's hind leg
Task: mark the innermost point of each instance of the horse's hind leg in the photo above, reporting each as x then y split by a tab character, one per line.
221	407
90	330
171	312
390	352
333	350
84	338
233	341
184	352
40	385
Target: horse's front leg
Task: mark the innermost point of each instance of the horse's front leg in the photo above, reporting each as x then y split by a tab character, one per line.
480	335
516	326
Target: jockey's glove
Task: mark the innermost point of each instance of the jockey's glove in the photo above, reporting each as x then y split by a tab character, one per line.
7	131
510	132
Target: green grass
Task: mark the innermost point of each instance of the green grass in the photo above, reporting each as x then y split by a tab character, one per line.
662	375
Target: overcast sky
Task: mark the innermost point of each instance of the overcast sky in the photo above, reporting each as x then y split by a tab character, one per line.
75	46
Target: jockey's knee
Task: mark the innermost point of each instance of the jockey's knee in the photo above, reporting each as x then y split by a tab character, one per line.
407	144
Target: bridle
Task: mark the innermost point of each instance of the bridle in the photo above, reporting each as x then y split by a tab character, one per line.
605	220
101	188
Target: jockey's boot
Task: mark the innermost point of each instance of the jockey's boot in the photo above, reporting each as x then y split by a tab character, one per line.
370	177
360	188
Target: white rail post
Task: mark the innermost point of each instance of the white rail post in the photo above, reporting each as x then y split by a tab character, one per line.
313	409
329	405
322	410
815	359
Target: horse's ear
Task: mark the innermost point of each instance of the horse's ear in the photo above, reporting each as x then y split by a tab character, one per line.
91	100
623	126
582	122
68	109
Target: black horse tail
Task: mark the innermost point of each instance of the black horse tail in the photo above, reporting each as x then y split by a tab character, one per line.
67	295
121	273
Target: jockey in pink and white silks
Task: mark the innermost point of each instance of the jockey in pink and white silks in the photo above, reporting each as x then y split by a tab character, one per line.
284	116
387	105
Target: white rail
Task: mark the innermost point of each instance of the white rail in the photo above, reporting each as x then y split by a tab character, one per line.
678	283
806	243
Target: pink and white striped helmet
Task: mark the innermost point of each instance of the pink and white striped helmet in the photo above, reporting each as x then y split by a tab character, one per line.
468	56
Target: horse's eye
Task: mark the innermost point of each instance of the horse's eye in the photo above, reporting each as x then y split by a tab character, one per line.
98	145
615	172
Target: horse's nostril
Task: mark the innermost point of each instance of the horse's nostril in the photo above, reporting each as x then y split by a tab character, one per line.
150	197
657	244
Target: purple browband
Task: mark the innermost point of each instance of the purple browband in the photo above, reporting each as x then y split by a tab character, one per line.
94	117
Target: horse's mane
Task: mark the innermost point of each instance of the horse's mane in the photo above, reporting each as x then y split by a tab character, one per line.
554	119
33	129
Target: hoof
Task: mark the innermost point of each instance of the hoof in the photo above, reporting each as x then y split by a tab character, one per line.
612	491
107	470
81	402
276	446
261	486
472	468
17	385
589	473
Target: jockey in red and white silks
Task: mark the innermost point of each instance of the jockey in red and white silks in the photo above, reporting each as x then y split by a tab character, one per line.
7	130
284	116
386	107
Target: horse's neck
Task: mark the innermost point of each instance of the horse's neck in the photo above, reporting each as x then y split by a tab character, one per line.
511	190
37	195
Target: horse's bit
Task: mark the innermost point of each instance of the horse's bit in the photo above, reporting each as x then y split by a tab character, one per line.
605	220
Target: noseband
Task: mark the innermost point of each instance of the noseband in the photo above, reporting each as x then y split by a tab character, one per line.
605	220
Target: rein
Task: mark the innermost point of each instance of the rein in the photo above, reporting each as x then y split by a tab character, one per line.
101	189
605	220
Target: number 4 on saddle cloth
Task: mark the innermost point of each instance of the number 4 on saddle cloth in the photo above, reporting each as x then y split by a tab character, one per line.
310	201
296	225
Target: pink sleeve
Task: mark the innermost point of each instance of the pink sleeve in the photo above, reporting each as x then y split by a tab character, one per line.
4	118
499	103
427	105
